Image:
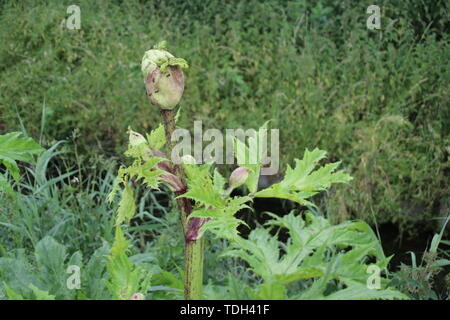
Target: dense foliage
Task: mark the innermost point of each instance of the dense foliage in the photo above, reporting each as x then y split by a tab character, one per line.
377	100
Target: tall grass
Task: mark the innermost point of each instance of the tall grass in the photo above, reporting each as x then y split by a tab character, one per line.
54	199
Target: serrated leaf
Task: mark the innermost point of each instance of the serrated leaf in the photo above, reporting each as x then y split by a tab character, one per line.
223	223
94	275
120	244
219	182
300	274
277	191
358	291
41	294
313	250
127	205
116	184
15	147
201	188
271	290
50	256
11	294
50	260
303	167
303	182
157	139
125	278
206	213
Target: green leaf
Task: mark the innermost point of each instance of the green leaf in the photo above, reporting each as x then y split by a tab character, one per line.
5	186
41	294
51	266
271	290
437	238
358	291
125	278
315	250
303	182
441	263
219	182
127	206
157	139
304	167
94	275
206	213
147	171
116	184
14	147
168	279
13	169
120	244
50	259
277	191
300	274
178	62
162	45
223	223
17	273
201	188
11	294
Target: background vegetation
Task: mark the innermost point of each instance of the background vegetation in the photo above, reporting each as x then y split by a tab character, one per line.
376	99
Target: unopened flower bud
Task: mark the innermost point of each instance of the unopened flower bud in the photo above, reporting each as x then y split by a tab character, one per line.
164	79
238	177
188	159
137	296
136	138
151	60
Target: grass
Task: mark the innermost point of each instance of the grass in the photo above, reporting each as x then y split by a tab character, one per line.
58	201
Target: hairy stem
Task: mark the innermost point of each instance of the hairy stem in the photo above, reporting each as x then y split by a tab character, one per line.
193	271
194	249
184	204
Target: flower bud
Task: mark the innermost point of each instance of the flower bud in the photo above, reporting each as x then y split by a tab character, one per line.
151	60
137	296
136	138
238	177
188	159
165	89
164	79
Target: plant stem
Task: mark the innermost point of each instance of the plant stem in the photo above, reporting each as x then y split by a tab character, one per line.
169	127
193	271
193	249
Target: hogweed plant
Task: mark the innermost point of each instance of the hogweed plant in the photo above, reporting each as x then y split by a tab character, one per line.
331	260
